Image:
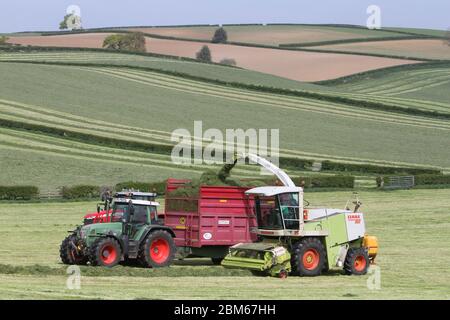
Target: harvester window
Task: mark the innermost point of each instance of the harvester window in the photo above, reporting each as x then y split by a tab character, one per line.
289	210
268	213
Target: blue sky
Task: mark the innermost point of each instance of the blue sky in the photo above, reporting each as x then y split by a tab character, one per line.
29	15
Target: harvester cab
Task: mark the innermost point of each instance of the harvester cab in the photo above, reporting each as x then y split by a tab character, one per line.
302	241
133	233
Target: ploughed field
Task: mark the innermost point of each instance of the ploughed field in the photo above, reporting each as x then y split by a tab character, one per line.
30	266
295	65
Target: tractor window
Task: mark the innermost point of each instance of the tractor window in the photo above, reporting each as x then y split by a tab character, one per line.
289	210
268	213
119	211
140	214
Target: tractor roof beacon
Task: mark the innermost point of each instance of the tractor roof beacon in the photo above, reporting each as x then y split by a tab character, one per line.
133	234
302	241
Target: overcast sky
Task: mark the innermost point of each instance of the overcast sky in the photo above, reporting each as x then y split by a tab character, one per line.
29	15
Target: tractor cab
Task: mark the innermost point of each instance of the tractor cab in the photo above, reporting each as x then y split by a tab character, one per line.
134	211
279	210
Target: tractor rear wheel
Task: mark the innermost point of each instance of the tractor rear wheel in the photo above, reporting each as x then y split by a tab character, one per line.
69	253
356	261
308	257
158	250
105	252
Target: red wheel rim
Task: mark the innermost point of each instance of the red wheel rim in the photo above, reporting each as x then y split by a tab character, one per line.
311	259
159	250
360	263
108	254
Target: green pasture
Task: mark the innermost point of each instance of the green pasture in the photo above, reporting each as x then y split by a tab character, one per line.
413	257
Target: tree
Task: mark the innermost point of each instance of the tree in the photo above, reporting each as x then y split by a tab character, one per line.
129	42
228	62
204	54
71	21
220	36
3	40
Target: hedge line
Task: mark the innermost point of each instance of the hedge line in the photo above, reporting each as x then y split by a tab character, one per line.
18	192
81	191
420	180
368	168
354	40
338	181
432	179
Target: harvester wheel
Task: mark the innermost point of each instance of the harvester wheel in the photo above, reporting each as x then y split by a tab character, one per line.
308	257
283	274
68	252
216	261
105	252
357	261
158	250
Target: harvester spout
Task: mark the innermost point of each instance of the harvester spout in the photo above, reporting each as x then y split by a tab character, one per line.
281	175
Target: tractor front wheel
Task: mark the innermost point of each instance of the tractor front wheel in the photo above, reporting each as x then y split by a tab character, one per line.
69	253
105	252
308	257
158	250
356	261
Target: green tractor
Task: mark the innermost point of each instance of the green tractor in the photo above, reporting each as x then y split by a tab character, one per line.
304	242
134	235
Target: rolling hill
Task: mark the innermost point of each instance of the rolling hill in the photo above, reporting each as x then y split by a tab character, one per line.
291	64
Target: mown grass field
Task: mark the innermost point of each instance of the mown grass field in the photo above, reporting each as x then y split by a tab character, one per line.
423	87
145	106
413	260
207	71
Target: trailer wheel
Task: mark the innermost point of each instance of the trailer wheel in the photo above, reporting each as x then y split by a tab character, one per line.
105	252
308	258
357	261
68	252
216	261
158	250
